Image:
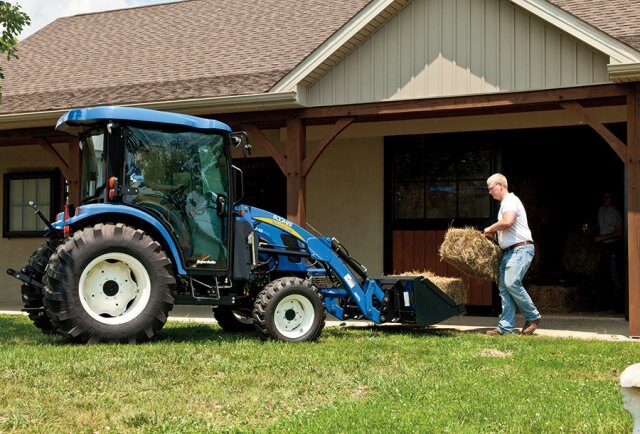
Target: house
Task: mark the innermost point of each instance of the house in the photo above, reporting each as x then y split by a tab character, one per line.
375	121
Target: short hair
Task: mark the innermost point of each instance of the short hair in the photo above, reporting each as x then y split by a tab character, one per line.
498	178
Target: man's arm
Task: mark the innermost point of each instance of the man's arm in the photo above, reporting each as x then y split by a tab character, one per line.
615	233
508	219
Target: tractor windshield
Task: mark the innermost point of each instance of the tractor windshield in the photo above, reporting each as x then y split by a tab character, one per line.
92	178
183	176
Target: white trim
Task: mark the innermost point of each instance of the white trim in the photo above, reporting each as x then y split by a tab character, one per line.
601	41
624	73
328	47
225	104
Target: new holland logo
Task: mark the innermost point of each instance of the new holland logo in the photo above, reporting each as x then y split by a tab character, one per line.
281	223
282	220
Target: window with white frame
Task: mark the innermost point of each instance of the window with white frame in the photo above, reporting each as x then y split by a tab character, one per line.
19	217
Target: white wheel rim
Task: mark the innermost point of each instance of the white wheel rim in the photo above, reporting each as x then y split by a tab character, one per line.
114	288
294	316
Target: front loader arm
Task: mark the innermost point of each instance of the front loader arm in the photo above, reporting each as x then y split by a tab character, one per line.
367	293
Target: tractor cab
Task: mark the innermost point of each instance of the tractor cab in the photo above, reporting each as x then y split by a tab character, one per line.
175	167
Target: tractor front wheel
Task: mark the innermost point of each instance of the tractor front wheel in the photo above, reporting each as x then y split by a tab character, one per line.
109	283
289	309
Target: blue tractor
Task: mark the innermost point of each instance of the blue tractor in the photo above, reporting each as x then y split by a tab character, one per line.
160	224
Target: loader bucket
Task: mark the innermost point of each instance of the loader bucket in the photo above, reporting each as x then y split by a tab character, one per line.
416	299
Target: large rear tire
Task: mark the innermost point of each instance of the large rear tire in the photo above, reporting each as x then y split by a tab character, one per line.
233	320
31	295
109	283
289	309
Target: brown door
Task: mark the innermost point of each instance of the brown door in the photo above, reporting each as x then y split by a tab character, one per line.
415	250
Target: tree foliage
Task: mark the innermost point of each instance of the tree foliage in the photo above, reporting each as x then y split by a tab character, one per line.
12	21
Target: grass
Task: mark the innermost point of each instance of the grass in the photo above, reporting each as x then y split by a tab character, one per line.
197	378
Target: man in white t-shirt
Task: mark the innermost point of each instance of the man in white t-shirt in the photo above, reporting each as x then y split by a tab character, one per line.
516	242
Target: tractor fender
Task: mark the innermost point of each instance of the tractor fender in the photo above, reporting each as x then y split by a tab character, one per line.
89	212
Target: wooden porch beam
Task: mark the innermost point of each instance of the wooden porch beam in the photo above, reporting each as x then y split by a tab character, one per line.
447	105
339	127
74	170
296	182
616	144
26	141
257	135
49	149
633	208
503	102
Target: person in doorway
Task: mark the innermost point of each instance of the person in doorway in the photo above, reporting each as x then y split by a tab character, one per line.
610	237
515	240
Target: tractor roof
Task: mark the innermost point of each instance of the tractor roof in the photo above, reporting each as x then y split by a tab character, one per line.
77	121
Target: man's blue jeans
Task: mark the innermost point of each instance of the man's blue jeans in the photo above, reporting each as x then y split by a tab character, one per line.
513	267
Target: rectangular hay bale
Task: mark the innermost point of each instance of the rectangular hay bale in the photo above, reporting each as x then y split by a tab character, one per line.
554	298
454	287
471	252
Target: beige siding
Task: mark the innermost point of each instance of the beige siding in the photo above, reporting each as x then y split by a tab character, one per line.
456	47
345	196
15	252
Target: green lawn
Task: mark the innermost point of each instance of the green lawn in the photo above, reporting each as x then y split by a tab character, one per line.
197	378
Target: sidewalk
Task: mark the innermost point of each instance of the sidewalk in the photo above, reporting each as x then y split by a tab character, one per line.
609	328
560	326
587	326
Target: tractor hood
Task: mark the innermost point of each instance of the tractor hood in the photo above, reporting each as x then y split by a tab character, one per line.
77	121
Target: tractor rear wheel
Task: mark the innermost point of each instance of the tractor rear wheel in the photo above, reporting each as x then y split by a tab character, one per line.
289	309
31	295
109	283
233	320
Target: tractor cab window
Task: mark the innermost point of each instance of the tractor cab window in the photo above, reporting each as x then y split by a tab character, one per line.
183	177
92	178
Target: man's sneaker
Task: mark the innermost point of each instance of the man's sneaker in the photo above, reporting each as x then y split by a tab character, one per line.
530	326
494	332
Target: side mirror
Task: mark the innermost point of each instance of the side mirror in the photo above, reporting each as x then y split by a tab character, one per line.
239	184
240	138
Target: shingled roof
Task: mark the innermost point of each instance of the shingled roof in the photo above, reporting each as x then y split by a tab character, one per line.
188	49
202	48
618	18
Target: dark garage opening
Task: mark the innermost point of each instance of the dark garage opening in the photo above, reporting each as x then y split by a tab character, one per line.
559	173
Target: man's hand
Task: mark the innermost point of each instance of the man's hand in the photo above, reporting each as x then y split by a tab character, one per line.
489	233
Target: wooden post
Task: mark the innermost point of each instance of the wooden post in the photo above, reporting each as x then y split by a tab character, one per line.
259	137
296	181
74	171
633	207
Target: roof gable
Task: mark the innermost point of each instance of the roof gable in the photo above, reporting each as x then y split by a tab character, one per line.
340	45
436	48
